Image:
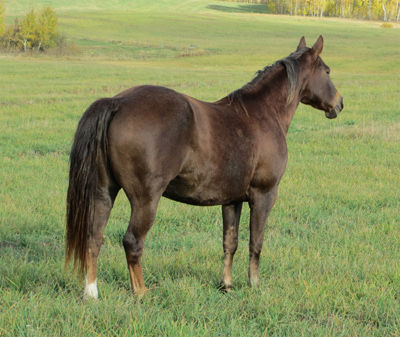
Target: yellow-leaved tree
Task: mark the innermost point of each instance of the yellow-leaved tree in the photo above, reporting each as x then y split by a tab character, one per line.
391	10
28	28
46	26
2	23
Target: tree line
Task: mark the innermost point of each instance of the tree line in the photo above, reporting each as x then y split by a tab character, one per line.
386	10
37	30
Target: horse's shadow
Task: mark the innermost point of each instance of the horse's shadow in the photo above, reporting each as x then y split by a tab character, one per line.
260	9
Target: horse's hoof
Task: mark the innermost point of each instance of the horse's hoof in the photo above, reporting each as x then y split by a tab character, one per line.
225	288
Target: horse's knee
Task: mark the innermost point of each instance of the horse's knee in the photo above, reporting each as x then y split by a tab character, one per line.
230	247
255	254
133	247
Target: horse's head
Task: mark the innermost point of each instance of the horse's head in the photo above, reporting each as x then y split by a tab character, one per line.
318	89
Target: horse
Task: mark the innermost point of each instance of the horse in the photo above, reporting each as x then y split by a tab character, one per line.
152	141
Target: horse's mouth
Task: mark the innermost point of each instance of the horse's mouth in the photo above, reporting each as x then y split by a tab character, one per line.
333	113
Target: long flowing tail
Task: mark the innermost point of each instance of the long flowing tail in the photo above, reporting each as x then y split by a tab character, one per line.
89	150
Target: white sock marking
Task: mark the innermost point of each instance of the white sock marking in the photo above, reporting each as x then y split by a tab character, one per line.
90	290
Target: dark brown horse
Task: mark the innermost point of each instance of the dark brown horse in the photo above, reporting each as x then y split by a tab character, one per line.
152	142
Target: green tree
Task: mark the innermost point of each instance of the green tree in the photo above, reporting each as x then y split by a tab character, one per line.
28	28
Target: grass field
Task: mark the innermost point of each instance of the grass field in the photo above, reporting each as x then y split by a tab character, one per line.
330	263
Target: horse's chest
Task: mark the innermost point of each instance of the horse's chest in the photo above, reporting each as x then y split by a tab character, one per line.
270	165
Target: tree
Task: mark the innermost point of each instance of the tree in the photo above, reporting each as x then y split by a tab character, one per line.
46	27
2	23
359	9
35	30
28	28
390	9
11	35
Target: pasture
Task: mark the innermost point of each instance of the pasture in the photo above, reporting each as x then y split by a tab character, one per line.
330	261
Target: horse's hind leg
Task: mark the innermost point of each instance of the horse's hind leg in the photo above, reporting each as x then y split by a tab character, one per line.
231	219
102	208
142	218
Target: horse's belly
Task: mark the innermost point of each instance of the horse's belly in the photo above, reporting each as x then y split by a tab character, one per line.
204	193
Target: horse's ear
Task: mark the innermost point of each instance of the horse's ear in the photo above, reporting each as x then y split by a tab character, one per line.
317	48
302	43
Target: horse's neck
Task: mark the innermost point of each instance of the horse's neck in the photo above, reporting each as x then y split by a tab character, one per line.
273	94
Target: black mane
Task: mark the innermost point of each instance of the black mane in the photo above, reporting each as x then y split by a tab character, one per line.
292	67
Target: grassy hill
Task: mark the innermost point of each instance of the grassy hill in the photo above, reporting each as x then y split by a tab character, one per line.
330	262
171	6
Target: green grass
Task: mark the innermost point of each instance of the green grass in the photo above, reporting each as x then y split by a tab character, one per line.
330	262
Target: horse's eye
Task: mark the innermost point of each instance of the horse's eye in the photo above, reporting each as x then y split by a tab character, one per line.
328	72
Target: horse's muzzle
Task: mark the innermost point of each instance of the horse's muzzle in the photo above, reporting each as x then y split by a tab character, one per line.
334	112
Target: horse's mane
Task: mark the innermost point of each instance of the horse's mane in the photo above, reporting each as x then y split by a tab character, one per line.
292	67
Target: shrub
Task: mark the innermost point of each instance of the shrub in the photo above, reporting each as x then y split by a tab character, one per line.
386	25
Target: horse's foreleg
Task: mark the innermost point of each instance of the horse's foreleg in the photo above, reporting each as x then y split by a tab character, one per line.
142	219
231	219
260	207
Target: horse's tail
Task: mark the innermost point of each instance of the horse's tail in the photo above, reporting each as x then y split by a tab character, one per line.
89	150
